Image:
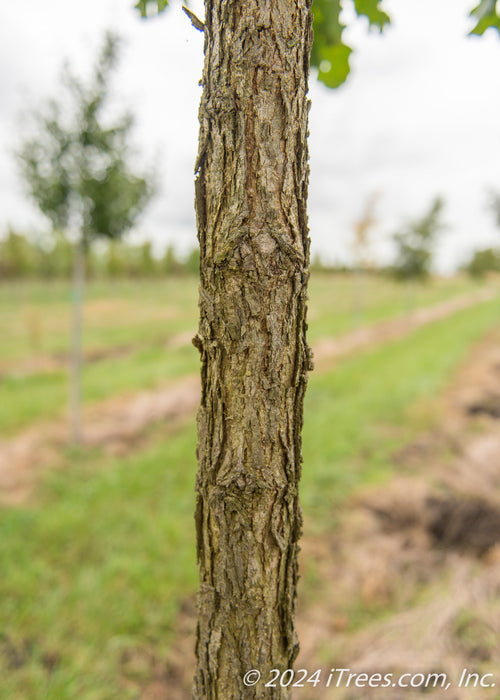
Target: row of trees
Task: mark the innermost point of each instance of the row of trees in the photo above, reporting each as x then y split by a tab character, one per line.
21	258
415	245
24	258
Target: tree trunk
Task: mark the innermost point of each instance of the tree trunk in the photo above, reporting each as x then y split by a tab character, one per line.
251	193
76	341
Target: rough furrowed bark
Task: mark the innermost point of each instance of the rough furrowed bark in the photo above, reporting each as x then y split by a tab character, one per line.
251	191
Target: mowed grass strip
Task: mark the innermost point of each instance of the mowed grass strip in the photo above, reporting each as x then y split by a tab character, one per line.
339	303
131	321
104	561
25	400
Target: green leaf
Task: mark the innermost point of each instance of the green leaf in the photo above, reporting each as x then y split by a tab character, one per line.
487	18
491	22
371	10
334	65
326	22
143	5
485	7
329	53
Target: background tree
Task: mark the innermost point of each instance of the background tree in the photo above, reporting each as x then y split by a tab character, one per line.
75	165
17	256
483	261
170	262
361	244
487	259
361	248
147	263
494	205
415	244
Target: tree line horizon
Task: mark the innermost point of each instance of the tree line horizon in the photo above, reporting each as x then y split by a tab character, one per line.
24	256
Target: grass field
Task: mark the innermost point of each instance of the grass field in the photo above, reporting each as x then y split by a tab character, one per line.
102	560
36	315
139	331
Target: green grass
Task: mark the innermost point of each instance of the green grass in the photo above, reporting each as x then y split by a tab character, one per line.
100	567
340	303
103	562
139	317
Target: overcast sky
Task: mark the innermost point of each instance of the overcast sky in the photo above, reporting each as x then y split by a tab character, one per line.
418	117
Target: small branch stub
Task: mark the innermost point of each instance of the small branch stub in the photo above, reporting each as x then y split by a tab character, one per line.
195	21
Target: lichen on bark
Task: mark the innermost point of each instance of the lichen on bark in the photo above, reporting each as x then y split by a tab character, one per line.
251	192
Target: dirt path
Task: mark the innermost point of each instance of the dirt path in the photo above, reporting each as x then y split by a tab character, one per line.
116	423
330	349
59	361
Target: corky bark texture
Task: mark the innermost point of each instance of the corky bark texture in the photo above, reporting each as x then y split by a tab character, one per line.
251	192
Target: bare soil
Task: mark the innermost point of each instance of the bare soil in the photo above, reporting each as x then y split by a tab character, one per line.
59	361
